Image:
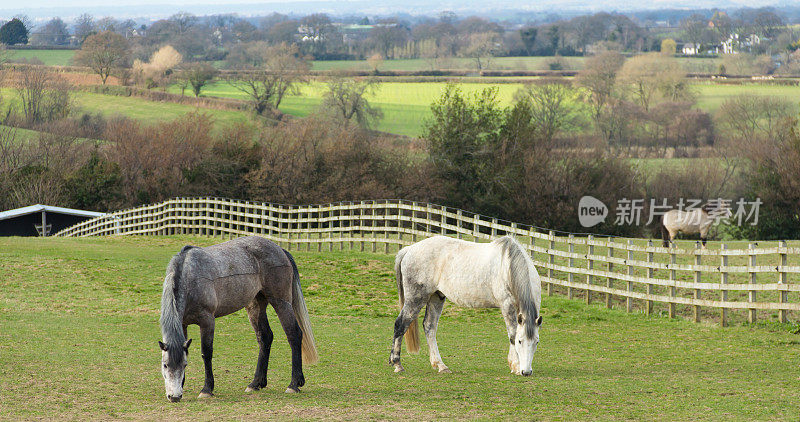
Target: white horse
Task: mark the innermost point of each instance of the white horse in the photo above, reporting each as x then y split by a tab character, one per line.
499	274
697	220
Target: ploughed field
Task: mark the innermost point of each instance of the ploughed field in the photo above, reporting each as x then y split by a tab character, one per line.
79	325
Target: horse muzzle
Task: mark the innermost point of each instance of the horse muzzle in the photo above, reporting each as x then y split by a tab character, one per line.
527	373
174	399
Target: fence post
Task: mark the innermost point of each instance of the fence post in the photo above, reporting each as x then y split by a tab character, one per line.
571	262
672	290
590	267
723	279
374	225
649	303
551	259
610	280
698	260
629	257
361	224
751	297
782	294
458	222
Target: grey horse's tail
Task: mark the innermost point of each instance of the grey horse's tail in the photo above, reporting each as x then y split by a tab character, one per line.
412	334
309	348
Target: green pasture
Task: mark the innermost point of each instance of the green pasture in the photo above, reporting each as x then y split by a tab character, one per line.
133	107
711	95
48	57
79	322
406	105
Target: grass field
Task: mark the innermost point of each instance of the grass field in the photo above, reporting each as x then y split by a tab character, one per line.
406	105
79	322
133	107
48	57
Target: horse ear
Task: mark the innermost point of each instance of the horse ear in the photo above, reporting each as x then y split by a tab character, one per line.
539	321
162	346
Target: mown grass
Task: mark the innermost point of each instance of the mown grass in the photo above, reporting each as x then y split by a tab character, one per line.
136	108
48	57
79	322
406	105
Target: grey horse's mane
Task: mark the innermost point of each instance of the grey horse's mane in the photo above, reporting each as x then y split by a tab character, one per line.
172	304
520	282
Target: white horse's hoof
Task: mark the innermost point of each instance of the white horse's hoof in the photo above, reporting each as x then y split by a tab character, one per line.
249	389
205	396
398	368
291	390
445	371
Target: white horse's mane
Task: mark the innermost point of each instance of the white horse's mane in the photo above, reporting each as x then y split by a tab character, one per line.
520	282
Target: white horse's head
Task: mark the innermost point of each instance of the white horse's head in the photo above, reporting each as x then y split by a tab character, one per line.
526	342
174	359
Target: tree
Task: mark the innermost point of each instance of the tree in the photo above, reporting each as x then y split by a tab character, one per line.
45	96
197	75
482	47
599	77
282	71
14	32
84	26
646	75
375	61
668	46
55	32
552	108
104	53
347	100
695	29
528	36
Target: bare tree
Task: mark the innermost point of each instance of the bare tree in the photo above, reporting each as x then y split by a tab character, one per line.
599	78
756	118
45	96
644	77
482	47
282	72
104	53
346	99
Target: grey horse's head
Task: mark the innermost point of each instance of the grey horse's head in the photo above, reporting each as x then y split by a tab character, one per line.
174	358
526	342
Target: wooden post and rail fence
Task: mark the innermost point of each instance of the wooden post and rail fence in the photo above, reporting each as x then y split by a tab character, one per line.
715	284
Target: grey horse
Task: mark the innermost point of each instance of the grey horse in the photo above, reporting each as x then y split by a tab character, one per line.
202	284
499	274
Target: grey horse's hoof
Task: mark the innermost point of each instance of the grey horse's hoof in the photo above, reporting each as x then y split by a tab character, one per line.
445	371
205	396
291	390
398	368
249	389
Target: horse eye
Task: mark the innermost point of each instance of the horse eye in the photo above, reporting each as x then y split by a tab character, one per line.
165	366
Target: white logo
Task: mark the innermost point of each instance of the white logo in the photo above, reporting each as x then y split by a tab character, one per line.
591	211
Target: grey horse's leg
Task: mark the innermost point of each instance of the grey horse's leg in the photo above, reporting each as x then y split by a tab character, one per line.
207	349
509	311
295	336
256	311
432	313
411	307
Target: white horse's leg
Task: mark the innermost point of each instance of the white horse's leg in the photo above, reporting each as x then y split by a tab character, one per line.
432	313
510	317
409	312
672	234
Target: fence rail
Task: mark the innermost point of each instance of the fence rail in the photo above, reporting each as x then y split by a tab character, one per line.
695	282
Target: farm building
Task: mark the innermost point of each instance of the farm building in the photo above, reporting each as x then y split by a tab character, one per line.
29	221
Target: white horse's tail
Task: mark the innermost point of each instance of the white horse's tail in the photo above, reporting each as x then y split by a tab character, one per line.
412	334
309	348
